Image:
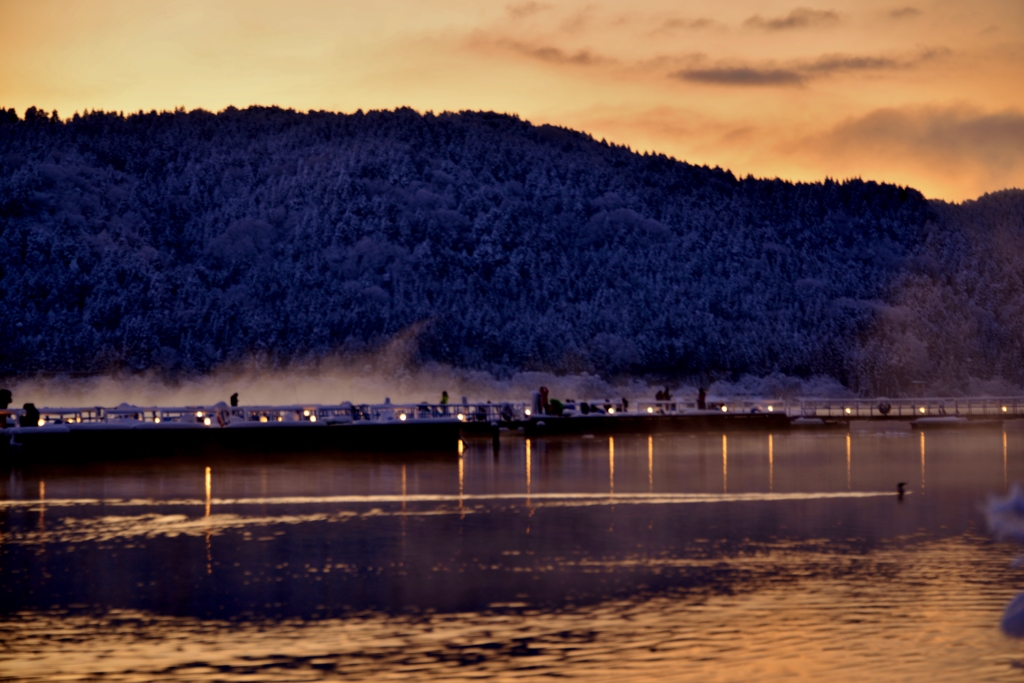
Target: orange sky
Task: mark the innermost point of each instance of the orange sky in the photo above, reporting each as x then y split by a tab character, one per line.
928	93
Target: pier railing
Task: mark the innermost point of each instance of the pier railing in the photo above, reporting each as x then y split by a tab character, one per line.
222	415
884	408
506	412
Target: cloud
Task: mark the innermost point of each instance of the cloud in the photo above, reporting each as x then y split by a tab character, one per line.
801	17
904	12
678	23
951	136
554	55
741	76
521	10
798	73
960	151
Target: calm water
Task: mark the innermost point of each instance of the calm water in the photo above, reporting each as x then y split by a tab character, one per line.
736	558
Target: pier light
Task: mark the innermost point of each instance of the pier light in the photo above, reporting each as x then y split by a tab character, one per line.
42	421
611	411
156	420
771	409
402	417
263	418
462	418
725	409
848	411
305	413
199	414
921	410
528	412
280	419
650	409
206	421
312	418
78	419
1004	409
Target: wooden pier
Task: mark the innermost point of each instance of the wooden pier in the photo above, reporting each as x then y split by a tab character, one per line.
125	432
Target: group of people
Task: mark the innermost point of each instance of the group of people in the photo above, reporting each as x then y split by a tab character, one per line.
702	395
30	418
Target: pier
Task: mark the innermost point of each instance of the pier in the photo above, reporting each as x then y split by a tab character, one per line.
126	431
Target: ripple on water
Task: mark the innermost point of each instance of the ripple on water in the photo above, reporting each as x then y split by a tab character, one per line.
895	614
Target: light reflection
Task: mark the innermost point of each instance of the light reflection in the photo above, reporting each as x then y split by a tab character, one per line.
528	506
42	505
922	462
848	486
725	464
462	461
527	471
771	465
611	465
263	487
403	514
404	492
207	533
650	464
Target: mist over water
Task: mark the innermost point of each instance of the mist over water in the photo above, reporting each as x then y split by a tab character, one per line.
371	379
323	383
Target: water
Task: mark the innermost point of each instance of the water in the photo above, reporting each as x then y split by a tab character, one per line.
706	558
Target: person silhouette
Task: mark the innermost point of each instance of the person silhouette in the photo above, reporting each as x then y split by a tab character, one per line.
5	402
31	416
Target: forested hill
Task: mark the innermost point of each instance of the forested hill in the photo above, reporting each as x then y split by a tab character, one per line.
180	241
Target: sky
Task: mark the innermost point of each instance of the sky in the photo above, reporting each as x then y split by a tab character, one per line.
923	93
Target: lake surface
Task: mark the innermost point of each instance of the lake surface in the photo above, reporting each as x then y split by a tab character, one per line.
707	558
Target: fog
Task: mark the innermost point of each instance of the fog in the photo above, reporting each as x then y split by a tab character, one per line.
322	383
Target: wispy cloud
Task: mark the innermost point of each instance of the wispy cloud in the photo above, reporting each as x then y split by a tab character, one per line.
741	76
904	12
798	73
521	10
801	17
555	55
951	136
678	23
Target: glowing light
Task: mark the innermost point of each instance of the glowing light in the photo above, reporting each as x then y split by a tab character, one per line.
402	417
462	446
462	418
848	411
725	409
206	421
650	409
771	409
921	409
528	412
305	413
78	419
156	420
263	418
199	414
611	411
312	418
42	422
1004	409
280	419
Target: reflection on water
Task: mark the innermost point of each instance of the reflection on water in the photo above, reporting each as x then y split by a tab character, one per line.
577	557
